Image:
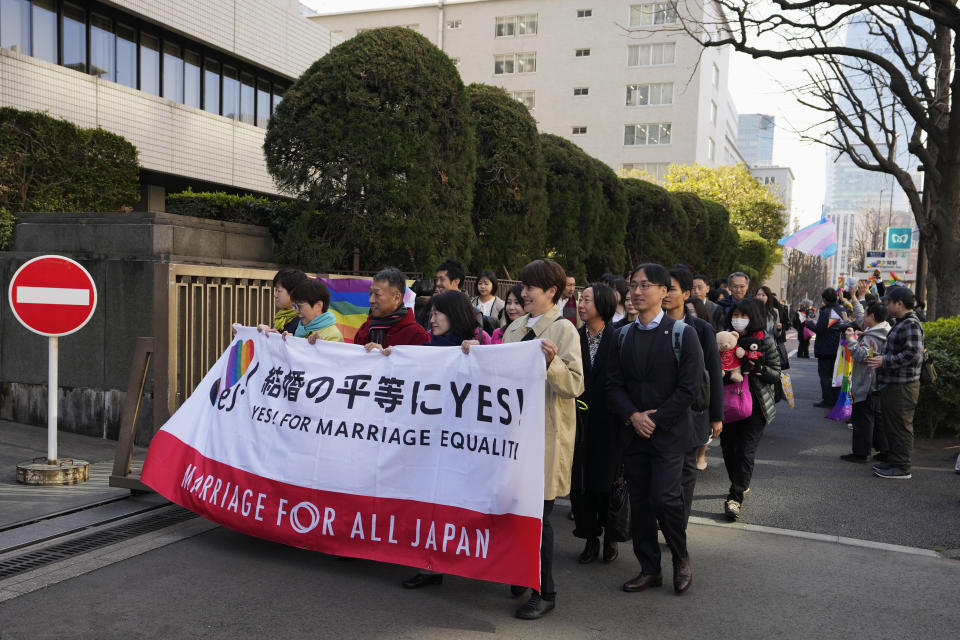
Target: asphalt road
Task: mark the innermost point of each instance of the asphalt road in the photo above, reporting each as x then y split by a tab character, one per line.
800	482
746	585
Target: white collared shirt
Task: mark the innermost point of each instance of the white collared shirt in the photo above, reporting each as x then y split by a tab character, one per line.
653	323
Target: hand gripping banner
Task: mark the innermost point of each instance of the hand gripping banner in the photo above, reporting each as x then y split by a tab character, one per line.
428	457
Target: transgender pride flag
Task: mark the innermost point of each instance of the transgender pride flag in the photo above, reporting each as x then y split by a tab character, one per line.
817	239
350	301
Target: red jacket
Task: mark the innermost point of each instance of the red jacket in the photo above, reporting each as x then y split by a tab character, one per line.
406	331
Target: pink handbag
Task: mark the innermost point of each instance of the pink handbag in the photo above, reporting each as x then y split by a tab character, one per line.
807	333
737	401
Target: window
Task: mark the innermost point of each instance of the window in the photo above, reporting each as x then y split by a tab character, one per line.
231	93
278	92
44	30
527	25
211	86
658	169
713	112
191	79
584	13
126	48
102	48
711	149
506	26
581	91
247	99
582	53
651	55
510	26
526	62
716	76
15	25
73	37
642	95
150	64
653	13
454	24
503	65
514	63
579	131
527	98
263	102
646	134
172	72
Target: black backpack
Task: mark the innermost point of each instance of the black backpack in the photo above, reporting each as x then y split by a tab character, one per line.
701	401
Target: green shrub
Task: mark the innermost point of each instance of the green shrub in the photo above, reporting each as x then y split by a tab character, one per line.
7	222
48	164
939	404
756	257
276	215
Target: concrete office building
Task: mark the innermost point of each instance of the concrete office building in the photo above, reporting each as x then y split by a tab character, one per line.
619	78
191	83
755	138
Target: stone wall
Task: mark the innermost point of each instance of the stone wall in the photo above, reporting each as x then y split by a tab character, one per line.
121	251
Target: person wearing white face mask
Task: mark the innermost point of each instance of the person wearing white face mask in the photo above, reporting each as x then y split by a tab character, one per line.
739	440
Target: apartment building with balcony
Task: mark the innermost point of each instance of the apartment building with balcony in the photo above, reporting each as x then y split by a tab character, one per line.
191	83
619	78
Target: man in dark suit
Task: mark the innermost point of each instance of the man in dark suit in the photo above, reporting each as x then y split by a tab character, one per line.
709	423
652	392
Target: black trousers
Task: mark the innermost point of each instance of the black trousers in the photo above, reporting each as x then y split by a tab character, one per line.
868	426
547	589
828	392
739	441
803	349
655	498
688	482
590	513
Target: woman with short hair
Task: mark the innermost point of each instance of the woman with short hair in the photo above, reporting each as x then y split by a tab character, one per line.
595	458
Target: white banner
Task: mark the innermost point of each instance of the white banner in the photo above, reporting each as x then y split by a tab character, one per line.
428	457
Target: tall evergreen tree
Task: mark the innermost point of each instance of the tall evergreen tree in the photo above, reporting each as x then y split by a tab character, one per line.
377	135
509	198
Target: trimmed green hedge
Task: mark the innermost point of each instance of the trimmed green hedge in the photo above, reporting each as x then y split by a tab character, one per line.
939	404
276	215
47	164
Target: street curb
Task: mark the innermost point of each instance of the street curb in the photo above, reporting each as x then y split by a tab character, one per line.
807	535
820	537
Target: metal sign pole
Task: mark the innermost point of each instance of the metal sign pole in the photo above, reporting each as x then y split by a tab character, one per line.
52	360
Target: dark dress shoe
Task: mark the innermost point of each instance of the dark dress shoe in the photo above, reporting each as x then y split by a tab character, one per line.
591	551
536	607
823	405
880	456
516	590
682	574
852	457
422	580
642	582
610	551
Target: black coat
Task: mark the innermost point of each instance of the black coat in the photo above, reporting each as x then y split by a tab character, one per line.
659	384
828	337
596	454
711	360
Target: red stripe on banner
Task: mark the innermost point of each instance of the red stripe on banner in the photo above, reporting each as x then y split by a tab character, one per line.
500	548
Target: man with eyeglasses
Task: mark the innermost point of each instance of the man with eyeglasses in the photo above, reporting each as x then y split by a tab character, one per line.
652	390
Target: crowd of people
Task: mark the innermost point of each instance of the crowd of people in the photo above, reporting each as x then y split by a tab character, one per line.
642	373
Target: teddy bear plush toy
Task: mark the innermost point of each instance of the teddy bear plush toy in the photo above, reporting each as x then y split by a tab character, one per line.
752	353
730	354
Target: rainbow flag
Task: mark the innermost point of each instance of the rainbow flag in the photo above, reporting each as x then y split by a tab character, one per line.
817	239
843	368
350	301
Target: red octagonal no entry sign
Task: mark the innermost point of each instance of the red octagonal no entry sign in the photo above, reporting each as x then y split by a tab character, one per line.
52	295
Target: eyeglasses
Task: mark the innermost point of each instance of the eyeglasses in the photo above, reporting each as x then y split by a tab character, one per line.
643	285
